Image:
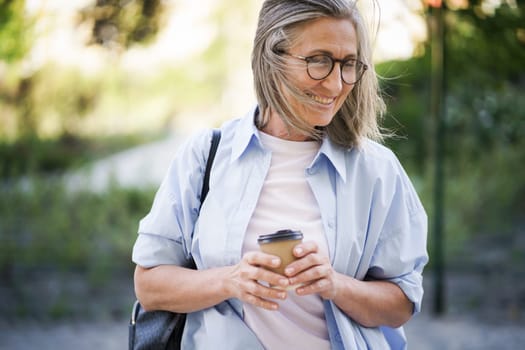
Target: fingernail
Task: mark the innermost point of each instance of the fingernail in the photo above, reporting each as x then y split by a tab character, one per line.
288	271
298	250
283	282
276	262
282	295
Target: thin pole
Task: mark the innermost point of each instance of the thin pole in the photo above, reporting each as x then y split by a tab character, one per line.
437	106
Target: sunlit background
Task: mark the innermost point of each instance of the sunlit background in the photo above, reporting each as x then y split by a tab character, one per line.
96	96
195	46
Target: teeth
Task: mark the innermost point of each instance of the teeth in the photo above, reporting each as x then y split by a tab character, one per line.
321	100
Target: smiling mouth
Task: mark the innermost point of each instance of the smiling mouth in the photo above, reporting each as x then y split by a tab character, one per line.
321	100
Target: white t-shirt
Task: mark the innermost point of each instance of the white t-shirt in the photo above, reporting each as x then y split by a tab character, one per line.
287	202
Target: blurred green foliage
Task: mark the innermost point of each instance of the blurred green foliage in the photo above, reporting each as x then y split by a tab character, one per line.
43	225
485	121
486	48
56	105
118	24
46	101
15	30
62	252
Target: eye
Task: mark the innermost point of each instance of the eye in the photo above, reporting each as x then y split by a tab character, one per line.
350	64
320	60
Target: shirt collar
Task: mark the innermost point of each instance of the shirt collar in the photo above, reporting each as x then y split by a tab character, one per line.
248	133
336	155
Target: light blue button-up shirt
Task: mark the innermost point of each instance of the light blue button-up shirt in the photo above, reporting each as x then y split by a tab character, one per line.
375	227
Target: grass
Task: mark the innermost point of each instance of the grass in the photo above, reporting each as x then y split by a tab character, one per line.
46	226
56	246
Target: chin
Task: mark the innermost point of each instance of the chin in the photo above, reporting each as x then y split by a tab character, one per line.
320	119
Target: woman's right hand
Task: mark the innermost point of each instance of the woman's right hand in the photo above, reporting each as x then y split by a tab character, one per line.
246	277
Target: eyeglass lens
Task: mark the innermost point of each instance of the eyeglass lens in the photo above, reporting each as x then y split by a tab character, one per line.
320	66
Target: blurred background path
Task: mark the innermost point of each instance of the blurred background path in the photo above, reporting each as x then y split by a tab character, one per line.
424	332
139	167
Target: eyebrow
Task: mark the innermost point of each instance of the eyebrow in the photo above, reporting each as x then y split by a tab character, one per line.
328	53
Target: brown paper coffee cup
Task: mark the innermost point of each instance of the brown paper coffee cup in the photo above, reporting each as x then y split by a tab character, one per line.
281	244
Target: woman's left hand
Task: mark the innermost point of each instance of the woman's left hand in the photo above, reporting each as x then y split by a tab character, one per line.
369	303
313	271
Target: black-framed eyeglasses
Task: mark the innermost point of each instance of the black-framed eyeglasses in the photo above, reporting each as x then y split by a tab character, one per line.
320	66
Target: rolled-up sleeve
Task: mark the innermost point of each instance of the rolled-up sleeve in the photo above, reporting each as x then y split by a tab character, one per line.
165	233
401	254
154	250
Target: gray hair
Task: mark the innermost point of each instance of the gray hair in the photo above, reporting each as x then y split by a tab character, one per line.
277	31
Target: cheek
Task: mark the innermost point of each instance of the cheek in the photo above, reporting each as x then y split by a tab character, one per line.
302	83
348	90
345	95
299	78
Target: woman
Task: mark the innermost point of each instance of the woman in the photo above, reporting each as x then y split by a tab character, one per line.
303	159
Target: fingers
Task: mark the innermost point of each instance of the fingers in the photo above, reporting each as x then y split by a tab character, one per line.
312	271
316	280
305	248
254	280
324	287
308	258
311	268
260	295
259	261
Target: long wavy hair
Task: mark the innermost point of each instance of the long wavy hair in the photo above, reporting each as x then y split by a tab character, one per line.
278	28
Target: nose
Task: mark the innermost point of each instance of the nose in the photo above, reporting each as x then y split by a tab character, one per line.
334	80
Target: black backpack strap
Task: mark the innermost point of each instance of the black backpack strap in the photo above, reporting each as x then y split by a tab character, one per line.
215	138
172	324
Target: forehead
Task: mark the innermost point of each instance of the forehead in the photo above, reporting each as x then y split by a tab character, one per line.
334	35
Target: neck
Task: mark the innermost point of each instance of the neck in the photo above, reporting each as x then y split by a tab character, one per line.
278	128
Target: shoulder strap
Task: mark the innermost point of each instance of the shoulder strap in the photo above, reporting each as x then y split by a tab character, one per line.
216	137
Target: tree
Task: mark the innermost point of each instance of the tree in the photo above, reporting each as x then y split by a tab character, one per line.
118	24
484	116
14	30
